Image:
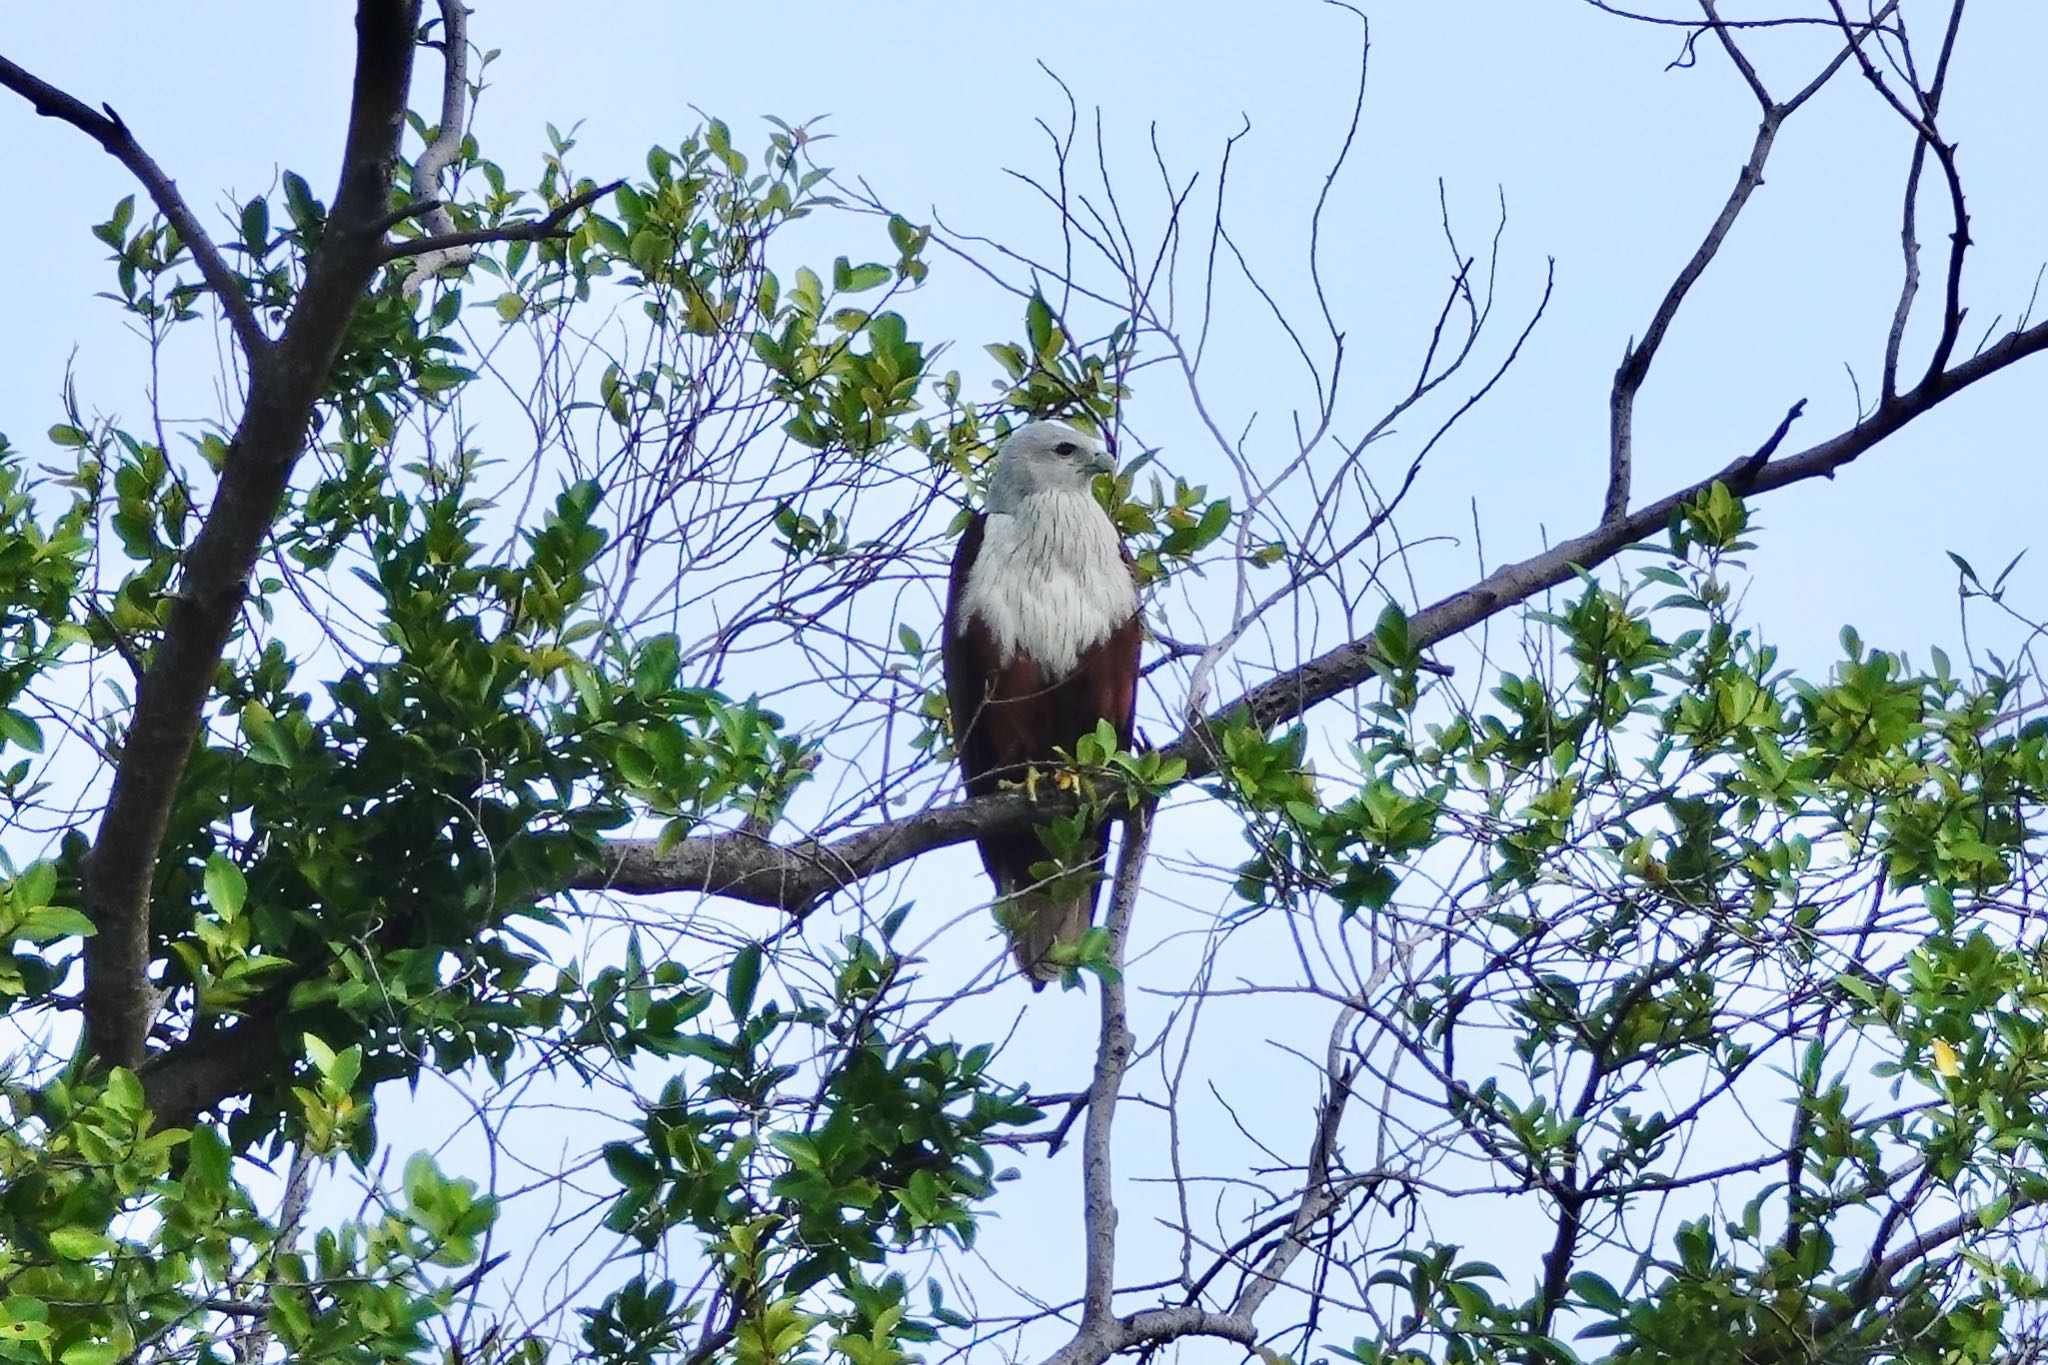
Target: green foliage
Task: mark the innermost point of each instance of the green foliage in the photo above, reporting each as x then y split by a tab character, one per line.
1647	815
1621	873
360	857
795	1194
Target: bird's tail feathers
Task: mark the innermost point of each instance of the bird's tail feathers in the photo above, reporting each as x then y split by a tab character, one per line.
1038	921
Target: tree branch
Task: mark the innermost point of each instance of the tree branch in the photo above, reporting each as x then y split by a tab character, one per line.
441	153
536	230
286	380
185	1081
1876	1279
1100	1332
112	134
1635	361
796	877
1320	1197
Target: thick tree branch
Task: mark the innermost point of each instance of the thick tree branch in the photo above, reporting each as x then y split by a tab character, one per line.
191	1078
112	134
796	877
286	380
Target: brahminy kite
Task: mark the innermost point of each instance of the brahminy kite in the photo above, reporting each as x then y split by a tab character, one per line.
1041	642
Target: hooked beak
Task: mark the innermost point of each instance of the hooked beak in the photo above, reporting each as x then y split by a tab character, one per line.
1102	462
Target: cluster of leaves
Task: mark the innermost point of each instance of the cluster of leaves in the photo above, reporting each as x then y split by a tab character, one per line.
120	1240
364	859
40	569
800	1177
1647	834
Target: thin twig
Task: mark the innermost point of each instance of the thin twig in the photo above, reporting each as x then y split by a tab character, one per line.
532	231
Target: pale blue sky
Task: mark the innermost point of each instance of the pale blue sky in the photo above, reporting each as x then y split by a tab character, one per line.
1608	162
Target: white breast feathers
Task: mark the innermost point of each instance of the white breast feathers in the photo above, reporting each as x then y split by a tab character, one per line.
1050	581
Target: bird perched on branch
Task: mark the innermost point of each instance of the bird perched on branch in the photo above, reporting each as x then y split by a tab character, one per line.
1041	642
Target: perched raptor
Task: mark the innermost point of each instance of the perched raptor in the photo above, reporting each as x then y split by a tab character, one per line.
1041	642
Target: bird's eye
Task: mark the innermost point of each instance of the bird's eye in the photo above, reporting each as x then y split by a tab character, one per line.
1064	448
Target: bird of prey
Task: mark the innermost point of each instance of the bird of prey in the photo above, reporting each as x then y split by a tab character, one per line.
1041	642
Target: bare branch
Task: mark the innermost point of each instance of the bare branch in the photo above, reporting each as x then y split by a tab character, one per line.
1737	56
252	1343
1320	1197
429	261
1113	1055
1922	121
1635	361
1101	1334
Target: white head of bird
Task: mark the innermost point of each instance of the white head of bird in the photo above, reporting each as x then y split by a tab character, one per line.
1045	457
1050	580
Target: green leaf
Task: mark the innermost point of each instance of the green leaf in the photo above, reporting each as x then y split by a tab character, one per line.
79	1244
439	378
798	1148
35	886
256	224
1391	635
1038	326
55	922
861	278
318	1053
631	1167
1598	1294
226	888
741	981
19	730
